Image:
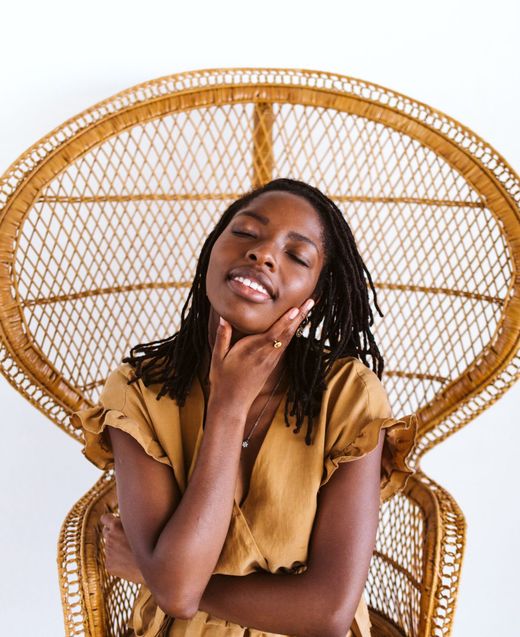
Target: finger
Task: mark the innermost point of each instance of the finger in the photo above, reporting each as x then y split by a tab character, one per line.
296	315
117	527
222	339
288	323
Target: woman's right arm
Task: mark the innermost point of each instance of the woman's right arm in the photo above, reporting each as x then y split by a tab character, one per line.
176	544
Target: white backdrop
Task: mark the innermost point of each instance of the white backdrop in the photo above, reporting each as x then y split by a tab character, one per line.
59	57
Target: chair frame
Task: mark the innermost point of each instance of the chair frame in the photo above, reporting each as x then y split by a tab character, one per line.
85	584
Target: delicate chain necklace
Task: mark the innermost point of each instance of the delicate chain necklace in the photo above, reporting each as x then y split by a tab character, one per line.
245	443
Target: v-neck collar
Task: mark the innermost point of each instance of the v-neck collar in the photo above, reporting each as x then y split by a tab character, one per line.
196	394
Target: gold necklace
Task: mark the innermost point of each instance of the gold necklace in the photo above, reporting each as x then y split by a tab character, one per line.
245	443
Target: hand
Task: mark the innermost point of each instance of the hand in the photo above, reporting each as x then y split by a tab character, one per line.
227	374
119	559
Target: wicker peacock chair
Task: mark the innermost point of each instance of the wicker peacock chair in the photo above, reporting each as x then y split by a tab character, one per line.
101	225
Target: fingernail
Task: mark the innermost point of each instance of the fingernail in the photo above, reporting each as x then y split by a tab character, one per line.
309	304
293	313
221	321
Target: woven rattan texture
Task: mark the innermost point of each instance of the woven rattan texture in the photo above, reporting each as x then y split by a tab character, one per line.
81	543
101	224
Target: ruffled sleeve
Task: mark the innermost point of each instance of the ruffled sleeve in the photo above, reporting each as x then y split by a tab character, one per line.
121	406
359	408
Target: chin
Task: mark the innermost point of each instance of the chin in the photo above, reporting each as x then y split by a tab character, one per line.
244	326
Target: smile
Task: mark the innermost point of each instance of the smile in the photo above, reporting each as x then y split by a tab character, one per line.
247	292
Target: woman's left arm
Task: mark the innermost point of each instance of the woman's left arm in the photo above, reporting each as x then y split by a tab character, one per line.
322	600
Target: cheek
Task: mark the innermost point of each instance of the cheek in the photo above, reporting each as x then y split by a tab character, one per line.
215	267
216	276
298	287
220	259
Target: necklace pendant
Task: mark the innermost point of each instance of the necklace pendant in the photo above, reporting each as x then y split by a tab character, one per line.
245	443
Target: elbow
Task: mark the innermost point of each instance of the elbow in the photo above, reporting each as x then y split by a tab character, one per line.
336	613
339	629
330	624
337	616
180	609
330	629
340	623
176	602
174	595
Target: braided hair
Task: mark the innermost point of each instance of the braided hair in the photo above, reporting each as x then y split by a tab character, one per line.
343	310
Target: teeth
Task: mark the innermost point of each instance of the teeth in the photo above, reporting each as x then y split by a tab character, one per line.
251	284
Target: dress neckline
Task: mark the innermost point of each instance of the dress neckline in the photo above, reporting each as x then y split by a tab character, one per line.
197	393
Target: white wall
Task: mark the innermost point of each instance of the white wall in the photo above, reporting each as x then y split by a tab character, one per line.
60	57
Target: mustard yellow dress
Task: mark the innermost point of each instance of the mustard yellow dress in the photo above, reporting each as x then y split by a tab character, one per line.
270	531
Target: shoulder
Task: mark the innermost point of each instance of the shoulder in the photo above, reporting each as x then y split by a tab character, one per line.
350	370
121	374
343	367
117	389
126	372
123	370
350	381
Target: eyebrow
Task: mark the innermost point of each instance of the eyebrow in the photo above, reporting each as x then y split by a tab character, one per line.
264	220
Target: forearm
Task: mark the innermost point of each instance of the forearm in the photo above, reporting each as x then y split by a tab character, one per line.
281	604
192	540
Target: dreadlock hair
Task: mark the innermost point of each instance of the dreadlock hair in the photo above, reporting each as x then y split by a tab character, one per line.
343	308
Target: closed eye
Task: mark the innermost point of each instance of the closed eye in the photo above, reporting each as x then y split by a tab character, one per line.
247	234
296	259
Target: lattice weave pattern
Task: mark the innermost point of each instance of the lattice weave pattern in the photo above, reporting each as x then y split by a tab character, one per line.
102	221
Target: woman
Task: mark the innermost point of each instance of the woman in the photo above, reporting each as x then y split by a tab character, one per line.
234	523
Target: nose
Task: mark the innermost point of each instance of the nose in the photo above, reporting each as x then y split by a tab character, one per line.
261	254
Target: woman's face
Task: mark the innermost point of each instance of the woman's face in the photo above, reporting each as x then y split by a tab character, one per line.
275	240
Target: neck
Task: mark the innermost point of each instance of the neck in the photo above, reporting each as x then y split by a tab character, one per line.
270	384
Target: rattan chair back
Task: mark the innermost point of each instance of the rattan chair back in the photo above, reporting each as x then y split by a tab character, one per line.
101	225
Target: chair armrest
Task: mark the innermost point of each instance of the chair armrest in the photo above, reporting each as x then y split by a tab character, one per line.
417	558
94	602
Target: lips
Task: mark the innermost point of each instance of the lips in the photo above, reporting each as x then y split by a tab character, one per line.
254	275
